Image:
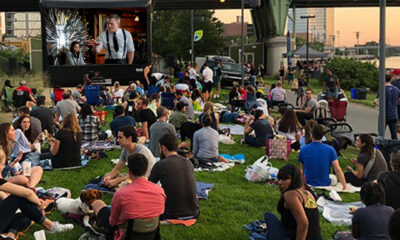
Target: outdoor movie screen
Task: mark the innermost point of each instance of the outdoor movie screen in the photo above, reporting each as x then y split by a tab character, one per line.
78	37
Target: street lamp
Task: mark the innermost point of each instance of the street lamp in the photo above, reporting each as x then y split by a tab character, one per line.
242	47
308	23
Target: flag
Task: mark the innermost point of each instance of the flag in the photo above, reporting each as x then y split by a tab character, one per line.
289	49
198	35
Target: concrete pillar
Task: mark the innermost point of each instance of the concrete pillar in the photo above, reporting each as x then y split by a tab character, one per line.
275	48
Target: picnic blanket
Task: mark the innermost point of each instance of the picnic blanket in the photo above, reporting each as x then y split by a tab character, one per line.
47	166
214	167
237	158
335	212
339	188
203	189
100	145
234	129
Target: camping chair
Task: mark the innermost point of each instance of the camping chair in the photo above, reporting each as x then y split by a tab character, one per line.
167	100
20	98
92	94
143	229
152	89
8	99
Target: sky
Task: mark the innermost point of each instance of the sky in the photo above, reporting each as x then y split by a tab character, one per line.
347	22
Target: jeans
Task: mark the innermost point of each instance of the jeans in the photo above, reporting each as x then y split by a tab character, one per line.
19	223
355	181
252	141
253	81
8	207
334	92
275	229
392	127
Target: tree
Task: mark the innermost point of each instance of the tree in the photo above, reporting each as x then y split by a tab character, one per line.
172	33
319	46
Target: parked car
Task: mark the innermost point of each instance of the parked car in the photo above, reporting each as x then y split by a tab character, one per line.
231	72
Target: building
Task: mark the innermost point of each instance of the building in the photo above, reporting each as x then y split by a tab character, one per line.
22	24
235	28
321	27
2	25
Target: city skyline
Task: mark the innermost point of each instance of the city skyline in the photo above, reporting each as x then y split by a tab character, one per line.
363	20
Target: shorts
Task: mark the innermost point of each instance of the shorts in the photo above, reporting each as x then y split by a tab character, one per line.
332	93
207	86
217	85
103	217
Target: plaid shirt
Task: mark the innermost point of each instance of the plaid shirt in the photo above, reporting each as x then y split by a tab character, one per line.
91	128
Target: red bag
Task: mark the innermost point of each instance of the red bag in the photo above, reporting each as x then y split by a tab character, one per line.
101	115
338	110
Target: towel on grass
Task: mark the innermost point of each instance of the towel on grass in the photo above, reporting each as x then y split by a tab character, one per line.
339	188
234	129
337	213
46	165
203	189
215	167
100	145
237	158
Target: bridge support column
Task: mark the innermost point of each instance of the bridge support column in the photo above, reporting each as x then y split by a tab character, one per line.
275	48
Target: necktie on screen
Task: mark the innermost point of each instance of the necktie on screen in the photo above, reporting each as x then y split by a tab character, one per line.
115	40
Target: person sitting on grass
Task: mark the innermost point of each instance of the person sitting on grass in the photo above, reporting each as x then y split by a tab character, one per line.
9	144
306	137
146	117
390	181
127	139
159	128
120	120
176	175
66	106
278	94
65	147
370	162
394	230
372	222
307	108
316	160
289	127
297	206
205	142
90	125
36	126
178	118
141	199
261	127
209	109
14	197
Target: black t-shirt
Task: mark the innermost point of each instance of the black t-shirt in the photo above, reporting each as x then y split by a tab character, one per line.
331	81
148	116
46	117
69	152
2	181
176	175
391	183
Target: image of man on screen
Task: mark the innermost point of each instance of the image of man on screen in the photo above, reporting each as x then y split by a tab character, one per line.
117	42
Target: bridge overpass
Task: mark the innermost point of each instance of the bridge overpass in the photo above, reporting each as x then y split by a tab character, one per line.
269	18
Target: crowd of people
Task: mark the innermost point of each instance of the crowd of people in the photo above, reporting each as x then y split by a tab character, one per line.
146	125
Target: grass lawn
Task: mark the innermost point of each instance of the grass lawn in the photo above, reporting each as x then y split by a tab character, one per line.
232	203
317	88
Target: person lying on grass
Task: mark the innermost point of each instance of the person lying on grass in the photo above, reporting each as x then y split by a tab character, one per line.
14	197
139	200
127	139
298	209
316	159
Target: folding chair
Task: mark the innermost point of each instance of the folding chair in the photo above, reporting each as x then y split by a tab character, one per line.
143	229
92	94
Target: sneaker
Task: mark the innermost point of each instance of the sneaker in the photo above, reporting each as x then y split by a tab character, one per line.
58	227
242	141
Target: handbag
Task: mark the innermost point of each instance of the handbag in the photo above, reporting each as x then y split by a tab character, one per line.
278	148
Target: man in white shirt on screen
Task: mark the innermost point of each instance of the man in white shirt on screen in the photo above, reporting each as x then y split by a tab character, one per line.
117	42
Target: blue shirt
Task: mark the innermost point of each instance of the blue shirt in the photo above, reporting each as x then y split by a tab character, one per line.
392	98
317	158
119	122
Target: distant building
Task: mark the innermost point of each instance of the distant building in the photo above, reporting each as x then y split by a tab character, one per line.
321	27
22	24
2	25
235	28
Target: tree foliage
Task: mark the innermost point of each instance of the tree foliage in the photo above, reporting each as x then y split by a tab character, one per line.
319	46
172	33
354	74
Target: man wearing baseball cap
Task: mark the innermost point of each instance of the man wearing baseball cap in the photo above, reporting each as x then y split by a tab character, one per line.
24	88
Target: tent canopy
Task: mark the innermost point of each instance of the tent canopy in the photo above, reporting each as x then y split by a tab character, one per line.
95	3
301	52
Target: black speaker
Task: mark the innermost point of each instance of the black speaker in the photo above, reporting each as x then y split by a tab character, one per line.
255	3
13	65
171	59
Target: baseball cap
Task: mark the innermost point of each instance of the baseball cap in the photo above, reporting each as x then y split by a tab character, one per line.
395	72
22	83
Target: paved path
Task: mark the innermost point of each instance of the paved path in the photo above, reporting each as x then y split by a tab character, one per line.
362	118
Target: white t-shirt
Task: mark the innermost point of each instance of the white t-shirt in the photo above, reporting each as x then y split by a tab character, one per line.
119	93
157	75
182	87
278	94
102	39
208	74
193	74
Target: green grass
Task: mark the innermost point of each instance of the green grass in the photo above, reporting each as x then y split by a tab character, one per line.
232	203
317	88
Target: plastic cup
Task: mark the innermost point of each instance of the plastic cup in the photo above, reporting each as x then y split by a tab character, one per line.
37	147
39	235
27	167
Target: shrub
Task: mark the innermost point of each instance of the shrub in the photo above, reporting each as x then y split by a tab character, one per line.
353	73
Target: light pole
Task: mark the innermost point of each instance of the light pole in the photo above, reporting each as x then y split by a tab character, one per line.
308	23
382	65
358	43
192	35
242	47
